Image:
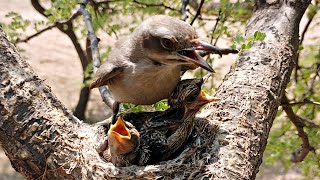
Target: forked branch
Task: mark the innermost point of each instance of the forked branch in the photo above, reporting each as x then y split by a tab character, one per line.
302	152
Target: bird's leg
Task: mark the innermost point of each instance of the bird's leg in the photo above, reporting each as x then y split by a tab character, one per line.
115	110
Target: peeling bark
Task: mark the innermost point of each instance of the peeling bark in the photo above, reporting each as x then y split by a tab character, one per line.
43	139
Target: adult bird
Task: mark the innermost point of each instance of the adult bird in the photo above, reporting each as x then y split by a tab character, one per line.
145	67
160	133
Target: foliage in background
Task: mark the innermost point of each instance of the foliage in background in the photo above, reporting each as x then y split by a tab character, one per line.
240	43
304	89
224	20
16	27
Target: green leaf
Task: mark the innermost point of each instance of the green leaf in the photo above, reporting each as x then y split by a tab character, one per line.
161	106
239	39
257	35
249	45
262	36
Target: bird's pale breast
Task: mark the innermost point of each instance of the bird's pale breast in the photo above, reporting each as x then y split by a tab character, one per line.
145	84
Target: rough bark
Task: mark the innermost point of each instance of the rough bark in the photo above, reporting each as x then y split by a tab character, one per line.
43	139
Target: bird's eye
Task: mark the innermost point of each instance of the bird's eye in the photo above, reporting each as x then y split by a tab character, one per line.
167	43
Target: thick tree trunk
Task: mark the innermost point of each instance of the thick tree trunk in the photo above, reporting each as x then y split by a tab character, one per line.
43	139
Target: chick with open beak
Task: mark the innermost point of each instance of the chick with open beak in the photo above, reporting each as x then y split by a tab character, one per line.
122	143
161	133
145	67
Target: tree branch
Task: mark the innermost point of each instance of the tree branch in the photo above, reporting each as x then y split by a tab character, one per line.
105	93
305	101
56	24
312	81
302	152
215	27
156	5
184	5
198	12
300	43
223	51
307	26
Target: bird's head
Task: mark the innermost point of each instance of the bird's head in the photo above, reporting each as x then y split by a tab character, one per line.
167	40
122	139
189	94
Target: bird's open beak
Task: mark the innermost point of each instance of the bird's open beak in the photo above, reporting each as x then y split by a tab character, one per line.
192	56
119	137
206	98
204	46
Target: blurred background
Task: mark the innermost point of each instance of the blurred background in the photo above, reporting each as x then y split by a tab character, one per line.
57	49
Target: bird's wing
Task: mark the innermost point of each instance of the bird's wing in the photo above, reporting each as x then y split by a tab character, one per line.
117	62
105	73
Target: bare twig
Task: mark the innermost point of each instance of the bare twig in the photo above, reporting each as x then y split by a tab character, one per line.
105	93
300	43
215	26
305	101
198	12
309	123
310	84
156	5
107	1
223	51
207	18
305	148
74	16
184	9
306	28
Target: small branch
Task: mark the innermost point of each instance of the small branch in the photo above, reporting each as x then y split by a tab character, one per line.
215	26
300	43
229	51
198	12
223	51
106	1
305	148
36	34
184	16
105	93
310	84
207	19
306	28
156	5
309	123
74	16
305	101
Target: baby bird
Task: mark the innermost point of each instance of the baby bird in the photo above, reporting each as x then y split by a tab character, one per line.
122	142
160	133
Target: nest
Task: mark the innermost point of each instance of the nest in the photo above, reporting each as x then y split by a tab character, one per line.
192	162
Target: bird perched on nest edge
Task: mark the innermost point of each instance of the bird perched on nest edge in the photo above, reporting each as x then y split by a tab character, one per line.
150	137
145	67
